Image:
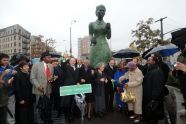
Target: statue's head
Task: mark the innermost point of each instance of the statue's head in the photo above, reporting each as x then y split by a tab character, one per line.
100	11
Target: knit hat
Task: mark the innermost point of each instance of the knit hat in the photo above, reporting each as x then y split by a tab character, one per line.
131	65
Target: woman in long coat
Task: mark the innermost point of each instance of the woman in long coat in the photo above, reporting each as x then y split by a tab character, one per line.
86	76
119	86
134	84
100	80
23	94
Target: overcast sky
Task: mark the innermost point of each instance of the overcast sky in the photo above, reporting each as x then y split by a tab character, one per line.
52	18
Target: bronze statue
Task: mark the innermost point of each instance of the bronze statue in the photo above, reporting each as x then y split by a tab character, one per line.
98	32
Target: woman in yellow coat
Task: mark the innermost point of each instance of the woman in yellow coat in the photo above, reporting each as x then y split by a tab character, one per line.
135	77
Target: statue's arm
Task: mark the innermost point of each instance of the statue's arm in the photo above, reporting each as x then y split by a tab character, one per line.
91	34
108	28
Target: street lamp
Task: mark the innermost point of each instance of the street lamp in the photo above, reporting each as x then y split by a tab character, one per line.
64	41
73	21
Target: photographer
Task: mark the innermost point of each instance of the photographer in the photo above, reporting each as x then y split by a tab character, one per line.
180	66
181	69
5	66
4	96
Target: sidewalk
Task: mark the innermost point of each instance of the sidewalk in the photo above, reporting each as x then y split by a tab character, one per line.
180	108
119	118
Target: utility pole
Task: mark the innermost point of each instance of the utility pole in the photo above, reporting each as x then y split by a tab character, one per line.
161	22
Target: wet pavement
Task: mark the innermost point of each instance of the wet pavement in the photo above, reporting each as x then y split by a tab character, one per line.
121	118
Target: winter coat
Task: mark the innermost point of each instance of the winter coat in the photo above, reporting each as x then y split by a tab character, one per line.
153	90
135	79
71	78
23	88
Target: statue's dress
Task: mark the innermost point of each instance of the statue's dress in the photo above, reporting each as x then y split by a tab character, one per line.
101	51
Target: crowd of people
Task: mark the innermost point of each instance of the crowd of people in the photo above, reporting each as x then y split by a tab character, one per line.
24	85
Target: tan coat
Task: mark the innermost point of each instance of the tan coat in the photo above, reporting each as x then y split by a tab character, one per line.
135	85
38	78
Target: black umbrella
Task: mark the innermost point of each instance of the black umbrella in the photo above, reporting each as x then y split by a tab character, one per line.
126	53
44	107
145	53
53	54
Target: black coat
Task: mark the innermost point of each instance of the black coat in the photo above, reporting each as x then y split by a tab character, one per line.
86	75
59	81
109	72
89	78
71	77
182	79
153	90
99	86
165	69
23	88
23	91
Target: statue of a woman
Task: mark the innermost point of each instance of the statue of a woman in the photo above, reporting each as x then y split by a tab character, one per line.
98	32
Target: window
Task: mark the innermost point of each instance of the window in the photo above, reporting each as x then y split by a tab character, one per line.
19	44
19	50
11	38
19	31
14	43
14	50
14	37
11	44
19	37
14	30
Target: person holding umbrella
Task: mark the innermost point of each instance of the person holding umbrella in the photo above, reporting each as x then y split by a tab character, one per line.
153	96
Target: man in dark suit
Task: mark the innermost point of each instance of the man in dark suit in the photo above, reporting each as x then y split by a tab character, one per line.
71	78
110	70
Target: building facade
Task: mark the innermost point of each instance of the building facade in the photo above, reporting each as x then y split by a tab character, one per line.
83	47
15	39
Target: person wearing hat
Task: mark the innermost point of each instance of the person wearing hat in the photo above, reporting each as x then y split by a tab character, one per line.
41	74
134	84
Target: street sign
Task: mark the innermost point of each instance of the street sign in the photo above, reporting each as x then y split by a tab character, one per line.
75	89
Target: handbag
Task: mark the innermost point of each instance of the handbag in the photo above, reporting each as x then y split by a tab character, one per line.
127	96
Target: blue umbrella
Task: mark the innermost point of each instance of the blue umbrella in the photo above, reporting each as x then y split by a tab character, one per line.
165	50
